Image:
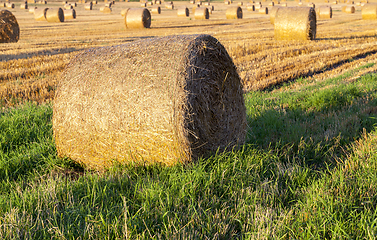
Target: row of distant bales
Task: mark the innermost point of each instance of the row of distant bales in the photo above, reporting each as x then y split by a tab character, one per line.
289	22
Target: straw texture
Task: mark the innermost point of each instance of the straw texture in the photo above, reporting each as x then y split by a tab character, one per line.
40	14
325	12
234	13
55	15
183	12
160	100
69	14
273	12
369	11
138	18
9	28
295	23
201	13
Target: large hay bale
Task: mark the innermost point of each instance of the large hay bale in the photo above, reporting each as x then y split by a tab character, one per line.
161	100
201	13
88	6
40	14
169	6
325	12
369	11
105	9
69	14
273	12
156	9
138	18
295	23
10	5
183	12
250	7
24	6
9	28
233	13
350	9
55	15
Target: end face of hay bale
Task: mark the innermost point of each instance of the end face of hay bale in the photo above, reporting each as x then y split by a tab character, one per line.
263	10
88	6
234	13
295	23
24	6
156	10
201	13
138	18
325	12
69	14
369	11
9	28
350	9
188	104
55	15
40	14
183	12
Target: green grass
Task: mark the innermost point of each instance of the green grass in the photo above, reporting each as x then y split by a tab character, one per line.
308	171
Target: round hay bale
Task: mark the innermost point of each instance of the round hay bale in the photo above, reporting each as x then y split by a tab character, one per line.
201	13
105	9
169	6
295	23
24	6
271	4
124	12
10	5
88	6
31	10
257	7
273	12
335	2
350	9
9	28
369	11
143	5
207	4
64	2
109	4
68	6
358	4
55	15
263	10
311	5
150	3
227	2
158	2
300	3
192	2
325	12
40	14
42	2
283	5
240	4
156	10
69	14
94	2
31	1
183	12
234	13
195	7
138	18
162	100
250	7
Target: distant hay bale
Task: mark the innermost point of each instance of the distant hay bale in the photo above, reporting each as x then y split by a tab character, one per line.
73	4
227	2
192	2
350	9
207	4
55	15
9	28
10	5
31	1
233	13
263	10
271	4
369	11
201	13
150	3
325	12
195	7
132	104
169	6
88	6
295	23
138	18
64	2
257	7
24	6
240	4
335	2
109	4
105	9
124	11
68	6
300	3
358	4
283	5
40	14
250	7
311	5
273	12
143	5
156	10
94	2
183	12
69	14
31	9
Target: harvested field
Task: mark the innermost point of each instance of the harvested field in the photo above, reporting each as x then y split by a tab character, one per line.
345	41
